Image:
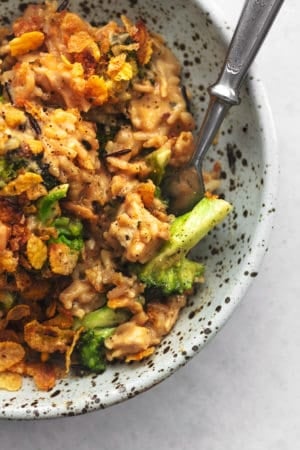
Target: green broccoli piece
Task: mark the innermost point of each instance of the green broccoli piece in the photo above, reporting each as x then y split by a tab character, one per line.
68	227
170	270
157	161
98	325
103	317
47	205
69	232
7	300
177	278
7	172
91	348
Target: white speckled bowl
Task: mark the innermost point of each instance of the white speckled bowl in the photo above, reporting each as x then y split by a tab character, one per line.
198	34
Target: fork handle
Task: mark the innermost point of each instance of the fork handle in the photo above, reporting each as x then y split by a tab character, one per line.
255	21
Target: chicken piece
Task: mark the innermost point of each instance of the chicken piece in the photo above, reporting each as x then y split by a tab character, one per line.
163	316
129	338
80	297
138	231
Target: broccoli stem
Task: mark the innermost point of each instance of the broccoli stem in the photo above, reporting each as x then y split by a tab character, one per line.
69	232
187	230
47	204
104	317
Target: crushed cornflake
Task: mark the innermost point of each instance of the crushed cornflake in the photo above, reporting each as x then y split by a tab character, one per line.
26	43
21	184
47	338
36	251
11	353
10	381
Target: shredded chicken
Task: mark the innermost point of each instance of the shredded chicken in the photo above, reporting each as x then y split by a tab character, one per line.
137	230
128	339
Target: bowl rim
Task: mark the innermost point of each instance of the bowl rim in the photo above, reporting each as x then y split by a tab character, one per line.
253	260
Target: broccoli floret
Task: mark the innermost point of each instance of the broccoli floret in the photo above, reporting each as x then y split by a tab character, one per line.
157	161
91	348
98	325
47	205
170	270
178	278
69	232
7	172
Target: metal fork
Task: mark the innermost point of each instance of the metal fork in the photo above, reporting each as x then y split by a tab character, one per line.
185	186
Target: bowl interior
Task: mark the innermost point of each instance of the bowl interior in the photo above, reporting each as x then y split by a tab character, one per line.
232	252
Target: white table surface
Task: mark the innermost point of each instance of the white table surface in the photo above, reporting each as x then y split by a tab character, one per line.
242	392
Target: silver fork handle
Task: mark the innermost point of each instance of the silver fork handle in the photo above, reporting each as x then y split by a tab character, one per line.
255	21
